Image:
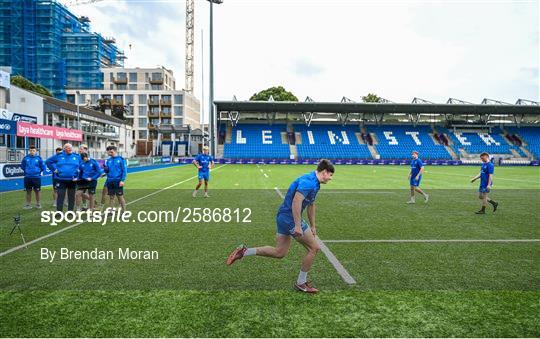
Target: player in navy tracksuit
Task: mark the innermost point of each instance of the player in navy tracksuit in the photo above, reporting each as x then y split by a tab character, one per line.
66	167
116	169
300	195
204	162
55	181
89	173
33	166
486	181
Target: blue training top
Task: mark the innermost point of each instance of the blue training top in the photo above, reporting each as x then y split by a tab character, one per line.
416	166
90	169
116	168
308	185
66	165
32	166
487	169
204	160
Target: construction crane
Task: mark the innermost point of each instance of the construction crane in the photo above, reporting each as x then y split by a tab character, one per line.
190	38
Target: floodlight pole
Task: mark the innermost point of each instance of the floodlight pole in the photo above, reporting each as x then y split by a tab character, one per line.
211	110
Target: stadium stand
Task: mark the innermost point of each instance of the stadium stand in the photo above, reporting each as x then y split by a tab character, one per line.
478	142
257	141
331	142
398	141
531	135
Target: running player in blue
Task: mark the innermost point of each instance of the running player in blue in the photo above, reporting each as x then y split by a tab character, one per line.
204	162
300	195
415	177
33	166
486	182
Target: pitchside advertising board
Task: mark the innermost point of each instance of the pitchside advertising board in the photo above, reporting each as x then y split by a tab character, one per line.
12	171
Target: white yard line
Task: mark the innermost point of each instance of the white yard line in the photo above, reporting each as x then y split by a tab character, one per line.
16	248
434	241
342	271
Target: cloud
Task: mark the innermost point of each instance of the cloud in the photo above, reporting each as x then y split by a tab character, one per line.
397	49
305	68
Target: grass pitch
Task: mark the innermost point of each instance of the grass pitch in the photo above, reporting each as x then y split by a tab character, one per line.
427	288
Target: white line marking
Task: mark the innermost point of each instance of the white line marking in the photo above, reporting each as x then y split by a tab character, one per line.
342	271
433	240
279	193
335	262
16	248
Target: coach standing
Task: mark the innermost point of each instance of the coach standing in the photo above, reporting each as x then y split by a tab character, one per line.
66	166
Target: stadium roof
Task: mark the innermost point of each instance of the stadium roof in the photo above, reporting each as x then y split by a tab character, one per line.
419	111
355	107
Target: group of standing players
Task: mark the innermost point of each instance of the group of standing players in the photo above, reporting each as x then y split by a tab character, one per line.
75	174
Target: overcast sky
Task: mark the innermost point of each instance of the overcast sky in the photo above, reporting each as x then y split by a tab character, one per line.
327	49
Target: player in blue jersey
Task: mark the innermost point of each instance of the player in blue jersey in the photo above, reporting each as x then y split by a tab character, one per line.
33	166
486	181
415	177
89	173
116	169
204	162
300	195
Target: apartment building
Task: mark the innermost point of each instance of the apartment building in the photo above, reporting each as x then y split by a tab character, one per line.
150	102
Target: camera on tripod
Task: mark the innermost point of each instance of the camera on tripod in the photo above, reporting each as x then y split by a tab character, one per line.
17	220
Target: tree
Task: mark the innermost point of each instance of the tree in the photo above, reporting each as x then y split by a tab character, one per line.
22	82
371	98
278	93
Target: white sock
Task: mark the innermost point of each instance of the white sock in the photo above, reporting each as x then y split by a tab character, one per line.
302	278
250	251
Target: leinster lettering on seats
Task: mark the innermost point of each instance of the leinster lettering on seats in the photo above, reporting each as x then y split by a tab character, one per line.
266	137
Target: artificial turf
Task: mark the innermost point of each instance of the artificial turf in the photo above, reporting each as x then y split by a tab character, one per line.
403	289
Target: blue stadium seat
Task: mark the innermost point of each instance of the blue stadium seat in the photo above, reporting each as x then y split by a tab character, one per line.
531	135
251	141
398	141
331	142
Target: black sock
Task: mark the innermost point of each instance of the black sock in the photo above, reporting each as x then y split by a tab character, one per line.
483	209
492	202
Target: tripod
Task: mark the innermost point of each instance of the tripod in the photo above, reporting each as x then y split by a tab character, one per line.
17	225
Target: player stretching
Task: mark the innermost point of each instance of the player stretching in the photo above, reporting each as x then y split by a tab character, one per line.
486	181
203	162
415	176
301	194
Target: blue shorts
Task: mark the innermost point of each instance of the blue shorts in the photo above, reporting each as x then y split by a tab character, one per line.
414	182
285	225
32	184
113	188
484	189
204	175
